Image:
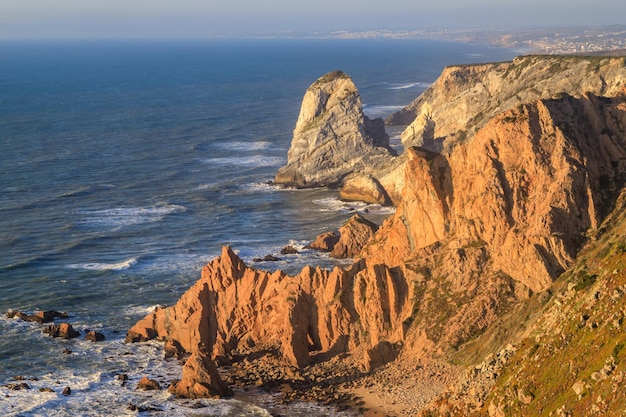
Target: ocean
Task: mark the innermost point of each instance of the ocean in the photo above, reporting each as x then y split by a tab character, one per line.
127	165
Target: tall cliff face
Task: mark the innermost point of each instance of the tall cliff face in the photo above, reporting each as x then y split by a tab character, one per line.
527	187
464	98
334	140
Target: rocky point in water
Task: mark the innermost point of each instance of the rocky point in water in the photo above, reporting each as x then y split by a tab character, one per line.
334	143
482	229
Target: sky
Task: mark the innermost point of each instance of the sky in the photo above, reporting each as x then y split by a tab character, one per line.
202	18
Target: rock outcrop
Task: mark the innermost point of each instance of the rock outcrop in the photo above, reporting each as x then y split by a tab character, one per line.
200	379
526	188
63	330
349	239
334	140
465	97
353	236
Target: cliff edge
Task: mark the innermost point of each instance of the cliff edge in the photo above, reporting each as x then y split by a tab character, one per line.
465	97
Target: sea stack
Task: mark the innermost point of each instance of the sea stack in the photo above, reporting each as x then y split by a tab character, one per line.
334	140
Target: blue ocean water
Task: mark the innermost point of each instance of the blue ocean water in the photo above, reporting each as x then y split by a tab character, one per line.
126	165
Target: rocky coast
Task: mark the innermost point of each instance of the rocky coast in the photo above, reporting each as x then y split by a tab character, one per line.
512	177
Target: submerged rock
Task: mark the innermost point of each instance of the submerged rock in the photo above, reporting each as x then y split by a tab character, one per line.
94	336
38	317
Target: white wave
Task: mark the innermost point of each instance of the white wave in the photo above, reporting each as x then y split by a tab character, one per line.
261	186
335	204
140	310
126	216
248	161
176	262
243	146
394	86
101	266
380	111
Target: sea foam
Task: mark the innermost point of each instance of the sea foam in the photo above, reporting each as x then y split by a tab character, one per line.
126	216
335	204
255	161
103	266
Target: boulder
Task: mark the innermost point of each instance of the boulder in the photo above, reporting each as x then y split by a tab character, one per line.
325	242
147	384
63	330
364	188
94	336
289	250
200	379
353	236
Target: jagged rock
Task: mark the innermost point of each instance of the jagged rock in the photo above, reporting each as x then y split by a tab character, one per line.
289	250
200	379
353	236
17	386
333	138
173	349
526	187
94	336
63	330
38	317
480	227
147	384
67	391
325	242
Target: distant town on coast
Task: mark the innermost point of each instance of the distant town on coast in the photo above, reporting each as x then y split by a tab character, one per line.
544	40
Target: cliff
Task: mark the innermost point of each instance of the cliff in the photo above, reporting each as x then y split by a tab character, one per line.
464	98
564	352
481	228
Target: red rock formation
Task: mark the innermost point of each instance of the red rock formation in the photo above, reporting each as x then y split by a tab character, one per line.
479	227
200	379
353	236
147	384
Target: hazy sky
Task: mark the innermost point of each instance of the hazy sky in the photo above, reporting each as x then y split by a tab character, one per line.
189	18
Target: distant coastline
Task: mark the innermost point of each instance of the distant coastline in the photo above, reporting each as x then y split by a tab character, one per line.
546	40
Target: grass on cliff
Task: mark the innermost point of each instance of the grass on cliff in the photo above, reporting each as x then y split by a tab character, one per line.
573	360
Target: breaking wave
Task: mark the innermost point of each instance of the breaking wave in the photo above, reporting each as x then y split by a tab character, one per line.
125	216
101	266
